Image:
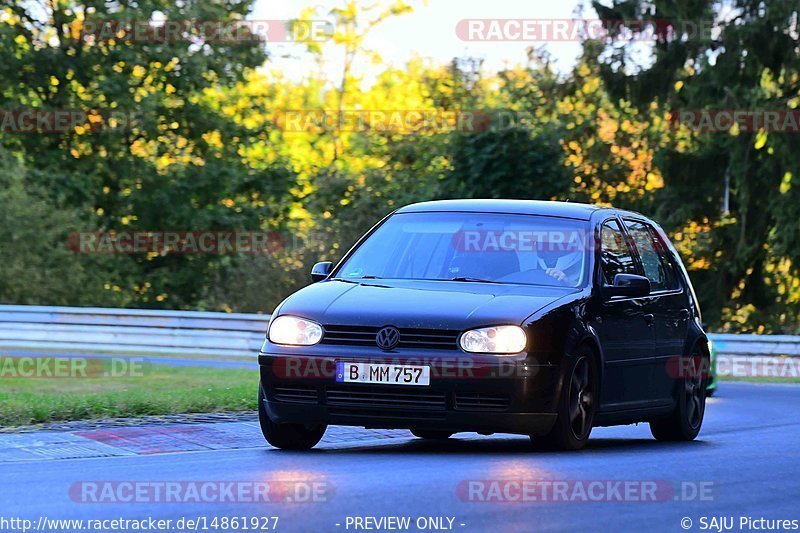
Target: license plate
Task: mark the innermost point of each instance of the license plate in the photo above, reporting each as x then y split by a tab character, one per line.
382	374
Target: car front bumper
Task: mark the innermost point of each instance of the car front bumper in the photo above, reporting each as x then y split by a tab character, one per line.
487	395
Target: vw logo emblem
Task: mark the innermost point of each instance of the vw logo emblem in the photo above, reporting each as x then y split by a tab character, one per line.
387	338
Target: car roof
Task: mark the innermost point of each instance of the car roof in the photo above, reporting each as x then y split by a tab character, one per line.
518	207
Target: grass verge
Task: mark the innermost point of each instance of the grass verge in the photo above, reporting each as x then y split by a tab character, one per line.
158	390
757	379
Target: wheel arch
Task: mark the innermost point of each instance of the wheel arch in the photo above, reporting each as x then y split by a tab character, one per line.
589	340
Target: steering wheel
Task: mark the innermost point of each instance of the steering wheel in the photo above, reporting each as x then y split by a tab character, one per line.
536	276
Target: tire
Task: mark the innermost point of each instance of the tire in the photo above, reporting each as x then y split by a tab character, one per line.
577	406
684	423
287	436
431	434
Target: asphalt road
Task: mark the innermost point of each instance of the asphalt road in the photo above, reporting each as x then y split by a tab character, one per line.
745	463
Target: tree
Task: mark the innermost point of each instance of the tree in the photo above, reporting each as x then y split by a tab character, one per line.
154	153
37	266
747	264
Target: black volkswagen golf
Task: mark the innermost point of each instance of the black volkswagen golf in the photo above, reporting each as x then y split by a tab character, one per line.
529	317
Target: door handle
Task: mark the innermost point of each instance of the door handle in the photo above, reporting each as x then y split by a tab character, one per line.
683	316
649	319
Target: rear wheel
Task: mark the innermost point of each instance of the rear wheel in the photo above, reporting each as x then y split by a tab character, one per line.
431	434
287	436
684	422
576	407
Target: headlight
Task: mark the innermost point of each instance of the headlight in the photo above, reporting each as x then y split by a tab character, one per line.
294	331
499	339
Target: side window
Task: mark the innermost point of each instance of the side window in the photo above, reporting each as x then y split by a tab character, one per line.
656	264
615	255
667	261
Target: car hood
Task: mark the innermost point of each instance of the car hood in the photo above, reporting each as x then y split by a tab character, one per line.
419	304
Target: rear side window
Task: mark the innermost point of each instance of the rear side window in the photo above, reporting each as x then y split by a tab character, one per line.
615	255
657	266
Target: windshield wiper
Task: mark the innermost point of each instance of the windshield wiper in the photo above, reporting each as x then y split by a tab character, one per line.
473	280
356	280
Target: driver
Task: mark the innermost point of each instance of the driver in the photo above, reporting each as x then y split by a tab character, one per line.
564	266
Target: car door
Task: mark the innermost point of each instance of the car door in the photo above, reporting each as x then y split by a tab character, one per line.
669	305
624	325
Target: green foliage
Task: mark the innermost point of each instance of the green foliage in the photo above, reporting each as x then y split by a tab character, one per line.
37	266
512	162
747	262
156	153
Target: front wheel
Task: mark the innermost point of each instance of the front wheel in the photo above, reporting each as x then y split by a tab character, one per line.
684	423
576	406
287	436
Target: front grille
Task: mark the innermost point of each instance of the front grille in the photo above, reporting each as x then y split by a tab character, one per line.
363	397
436	339
482	402
381	398
295	394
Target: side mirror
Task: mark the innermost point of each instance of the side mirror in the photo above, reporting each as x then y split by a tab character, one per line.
321	271
629	285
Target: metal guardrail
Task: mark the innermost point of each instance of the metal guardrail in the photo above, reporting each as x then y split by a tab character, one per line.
47	330
756	345
131	331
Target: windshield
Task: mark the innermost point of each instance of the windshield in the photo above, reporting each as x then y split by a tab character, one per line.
473	247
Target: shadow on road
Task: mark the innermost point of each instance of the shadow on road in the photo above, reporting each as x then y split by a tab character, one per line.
505	445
